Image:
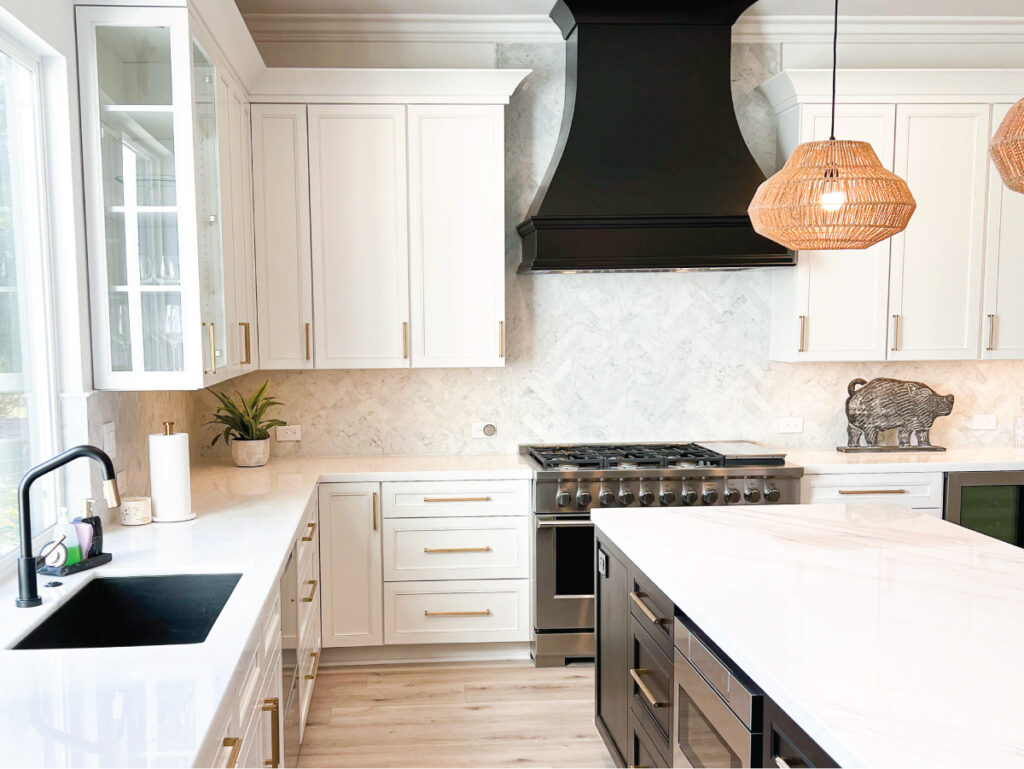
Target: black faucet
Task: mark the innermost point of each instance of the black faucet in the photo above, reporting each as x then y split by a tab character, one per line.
28	591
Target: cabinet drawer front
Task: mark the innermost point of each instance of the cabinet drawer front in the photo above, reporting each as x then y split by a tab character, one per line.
309	535
456	612
430	499
644	749
271	630
308	664
650	675
652	609
456	548
908	489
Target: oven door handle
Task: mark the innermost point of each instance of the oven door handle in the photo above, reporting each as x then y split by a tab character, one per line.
549	524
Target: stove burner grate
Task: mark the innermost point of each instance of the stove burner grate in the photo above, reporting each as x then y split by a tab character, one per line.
626	456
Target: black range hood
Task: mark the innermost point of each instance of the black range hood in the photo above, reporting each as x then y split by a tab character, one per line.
650	171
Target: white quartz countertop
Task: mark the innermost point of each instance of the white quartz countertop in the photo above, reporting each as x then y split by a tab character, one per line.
153	706
892	638
826	461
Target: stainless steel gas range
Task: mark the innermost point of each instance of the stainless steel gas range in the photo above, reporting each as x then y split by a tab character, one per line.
571	480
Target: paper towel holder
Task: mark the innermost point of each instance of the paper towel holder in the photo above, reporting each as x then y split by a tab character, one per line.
168	428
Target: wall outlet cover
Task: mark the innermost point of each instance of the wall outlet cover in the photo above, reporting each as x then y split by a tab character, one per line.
984	422
483	430
791	424
108	439
289	433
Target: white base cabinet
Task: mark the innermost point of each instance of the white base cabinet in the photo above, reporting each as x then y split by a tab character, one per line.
921	491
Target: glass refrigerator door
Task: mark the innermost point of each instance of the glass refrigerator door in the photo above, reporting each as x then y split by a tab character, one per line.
992	510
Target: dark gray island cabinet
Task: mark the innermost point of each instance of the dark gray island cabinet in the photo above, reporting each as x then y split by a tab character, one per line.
666	695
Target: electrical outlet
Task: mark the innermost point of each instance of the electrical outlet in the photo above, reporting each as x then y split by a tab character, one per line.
984	422
289	433
483	430
791	424
108	440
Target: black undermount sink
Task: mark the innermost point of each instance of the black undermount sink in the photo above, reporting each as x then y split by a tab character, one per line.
136	611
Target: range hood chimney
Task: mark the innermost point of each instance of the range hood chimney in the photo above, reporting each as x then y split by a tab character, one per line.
650	171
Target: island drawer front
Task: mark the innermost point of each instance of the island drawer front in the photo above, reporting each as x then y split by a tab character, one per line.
917	490
652	609
308	664
437	499
456	548
643	748
465	611
650	682
309	588
309	532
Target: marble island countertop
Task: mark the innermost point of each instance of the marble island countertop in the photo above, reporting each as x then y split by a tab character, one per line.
891	637
153	706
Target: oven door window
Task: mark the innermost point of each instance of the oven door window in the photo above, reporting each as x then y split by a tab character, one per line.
698	739
574	560
992	510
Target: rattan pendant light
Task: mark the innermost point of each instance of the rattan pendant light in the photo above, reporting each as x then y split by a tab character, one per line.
1007	148
832	194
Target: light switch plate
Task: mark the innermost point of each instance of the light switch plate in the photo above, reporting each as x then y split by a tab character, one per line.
483	430
791	424
108	440
984	422
289	433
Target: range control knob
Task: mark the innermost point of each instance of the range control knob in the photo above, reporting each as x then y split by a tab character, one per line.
772	494
626	496
690	496
732	496
563	498
583	498
606	498
646	496
667	497
752	495
710	497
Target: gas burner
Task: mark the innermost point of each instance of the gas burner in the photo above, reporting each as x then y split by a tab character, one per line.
625	456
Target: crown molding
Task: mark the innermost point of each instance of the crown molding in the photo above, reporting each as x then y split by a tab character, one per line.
880	29
401	28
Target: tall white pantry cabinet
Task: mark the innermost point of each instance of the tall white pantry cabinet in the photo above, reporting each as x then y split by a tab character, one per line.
942	289
380	226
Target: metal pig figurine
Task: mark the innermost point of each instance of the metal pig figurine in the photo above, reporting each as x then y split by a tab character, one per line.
892	404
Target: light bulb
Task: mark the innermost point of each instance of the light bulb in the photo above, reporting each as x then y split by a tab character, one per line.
832	200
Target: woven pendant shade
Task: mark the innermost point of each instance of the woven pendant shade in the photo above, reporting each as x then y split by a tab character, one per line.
832	195
1007	148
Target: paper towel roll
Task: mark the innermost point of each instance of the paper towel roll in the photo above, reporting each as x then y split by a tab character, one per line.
169	478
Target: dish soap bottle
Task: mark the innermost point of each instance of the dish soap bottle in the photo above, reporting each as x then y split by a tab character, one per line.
67	528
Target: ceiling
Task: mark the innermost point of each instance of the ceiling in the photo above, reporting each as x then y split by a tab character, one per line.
541	7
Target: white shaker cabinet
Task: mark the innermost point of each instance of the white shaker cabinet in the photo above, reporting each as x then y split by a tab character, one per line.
935	280
281	209
357	179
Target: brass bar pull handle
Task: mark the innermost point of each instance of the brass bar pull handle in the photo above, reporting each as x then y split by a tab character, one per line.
316	665
802	346
991	332
781	762
375	500
212	341
248	343
501	339
312	592
310	531
637	598
850	492
648	694
456	499
484	613
485	549
405	340
273	706
308	355
235	743
895	333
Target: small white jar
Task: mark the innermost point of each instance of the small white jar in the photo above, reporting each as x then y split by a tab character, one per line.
136	511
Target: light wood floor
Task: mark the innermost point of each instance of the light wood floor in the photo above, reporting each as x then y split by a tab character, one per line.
453	715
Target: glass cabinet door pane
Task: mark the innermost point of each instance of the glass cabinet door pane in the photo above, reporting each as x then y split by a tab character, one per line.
211	267
992	510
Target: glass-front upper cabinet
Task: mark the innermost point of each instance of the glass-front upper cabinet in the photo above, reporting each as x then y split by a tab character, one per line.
153	200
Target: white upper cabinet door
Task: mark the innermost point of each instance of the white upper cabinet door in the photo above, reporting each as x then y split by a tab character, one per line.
842	297
1002	326
281	208
357	174
456	235
935	283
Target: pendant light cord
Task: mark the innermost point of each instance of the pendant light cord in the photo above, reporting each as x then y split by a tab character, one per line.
835	49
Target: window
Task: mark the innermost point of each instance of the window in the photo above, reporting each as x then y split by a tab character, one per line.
27	390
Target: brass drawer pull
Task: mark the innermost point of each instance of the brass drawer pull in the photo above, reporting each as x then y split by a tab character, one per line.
849	492
456	499
501	339
213	348
311	526
781	762
895	333
802	347
375	500
405	340
307	342
273	706
485	549
316	665
991	333
637	598
648	694
484	613
248	345
309	598
235	743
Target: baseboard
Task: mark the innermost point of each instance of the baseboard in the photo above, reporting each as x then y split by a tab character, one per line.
375	655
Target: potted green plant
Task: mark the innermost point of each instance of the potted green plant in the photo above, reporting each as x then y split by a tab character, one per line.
245	425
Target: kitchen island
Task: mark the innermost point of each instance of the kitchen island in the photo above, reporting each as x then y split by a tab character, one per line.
891	638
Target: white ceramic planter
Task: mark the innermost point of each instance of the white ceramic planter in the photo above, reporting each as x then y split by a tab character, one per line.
250	453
